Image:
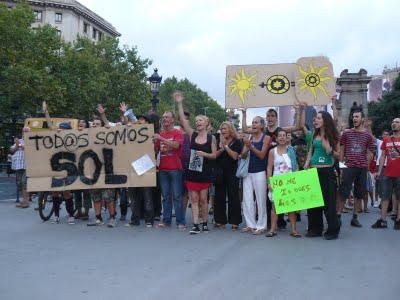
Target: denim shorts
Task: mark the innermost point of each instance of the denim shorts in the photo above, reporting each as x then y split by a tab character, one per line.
107	195
390	185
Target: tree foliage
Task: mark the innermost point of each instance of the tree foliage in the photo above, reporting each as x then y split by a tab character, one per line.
385	110
197	102
36	65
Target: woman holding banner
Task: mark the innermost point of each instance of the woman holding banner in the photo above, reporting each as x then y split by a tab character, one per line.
281	160
324	149
256	145
203	148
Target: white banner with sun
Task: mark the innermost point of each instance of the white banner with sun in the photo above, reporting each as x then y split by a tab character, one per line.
310	79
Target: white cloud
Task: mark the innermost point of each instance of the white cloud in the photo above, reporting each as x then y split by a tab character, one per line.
197	39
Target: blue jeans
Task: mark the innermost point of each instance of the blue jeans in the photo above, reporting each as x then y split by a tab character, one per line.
171	185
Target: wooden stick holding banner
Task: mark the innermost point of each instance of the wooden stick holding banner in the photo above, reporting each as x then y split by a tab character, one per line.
94	158
296	191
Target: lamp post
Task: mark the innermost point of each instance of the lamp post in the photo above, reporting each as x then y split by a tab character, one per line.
155	82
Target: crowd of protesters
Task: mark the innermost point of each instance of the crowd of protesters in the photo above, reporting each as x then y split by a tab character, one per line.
194	163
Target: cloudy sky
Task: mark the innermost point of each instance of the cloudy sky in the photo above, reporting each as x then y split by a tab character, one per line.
197	39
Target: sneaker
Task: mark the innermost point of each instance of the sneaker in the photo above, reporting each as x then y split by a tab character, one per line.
396	225
112	223
181	227
195	230
98	222
355	223
376	204
55	220
205	228
379	224
149	225
71	220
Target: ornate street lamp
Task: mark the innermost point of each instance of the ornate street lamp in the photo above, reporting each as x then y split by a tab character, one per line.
155	82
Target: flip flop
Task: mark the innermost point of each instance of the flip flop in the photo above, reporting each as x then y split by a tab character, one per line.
270	234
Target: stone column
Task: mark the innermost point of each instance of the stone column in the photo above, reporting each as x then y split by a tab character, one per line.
353	88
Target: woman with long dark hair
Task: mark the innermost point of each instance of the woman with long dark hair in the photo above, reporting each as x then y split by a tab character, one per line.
323	151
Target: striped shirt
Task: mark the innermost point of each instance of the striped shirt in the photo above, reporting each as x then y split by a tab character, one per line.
18	158
356	145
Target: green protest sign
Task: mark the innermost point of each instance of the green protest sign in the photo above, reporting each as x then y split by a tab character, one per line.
296	191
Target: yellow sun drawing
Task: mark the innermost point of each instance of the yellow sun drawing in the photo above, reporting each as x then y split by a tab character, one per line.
313	80
242	84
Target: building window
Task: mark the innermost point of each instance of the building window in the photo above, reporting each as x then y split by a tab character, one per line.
100	35
85	27
58	17
94	35
38	15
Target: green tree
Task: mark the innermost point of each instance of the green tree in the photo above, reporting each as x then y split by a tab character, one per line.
197	102
385	110
26	57
36	66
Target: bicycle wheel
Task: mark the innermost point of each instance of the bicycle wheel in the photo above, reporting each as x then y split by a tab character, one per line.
46	207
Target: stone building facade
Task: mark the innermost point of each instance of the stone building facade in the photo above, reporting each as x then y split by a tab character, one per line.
70	18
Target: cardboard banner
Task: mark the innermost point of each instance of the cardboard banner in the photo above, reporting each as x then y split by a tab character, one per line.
296	191
94	158
309	80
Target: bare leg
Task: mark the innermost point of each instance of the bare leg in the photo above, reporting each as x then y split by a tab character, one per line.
274	219
111	208
384	208
97	208
185	200
292	218
204	204
395	205
194	196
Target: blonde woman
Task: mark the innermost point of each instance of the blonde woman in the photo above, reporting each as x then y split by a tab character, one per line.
203	148
228	152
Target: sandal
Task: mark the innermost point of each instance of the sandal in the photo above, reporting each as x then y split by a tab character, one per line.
235	227
247	229
258	231
218	225
270	234
295	235
20	205
162	225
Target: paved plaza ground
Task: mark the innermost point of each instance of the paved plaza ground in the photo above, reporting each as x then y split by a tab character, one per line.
47	261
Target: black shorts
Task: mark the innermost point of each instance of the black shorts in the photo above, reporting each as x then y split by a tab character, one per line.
390	185
358	176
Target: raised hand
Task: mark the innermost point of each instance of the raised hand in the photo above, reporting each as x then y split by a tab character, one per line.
44	106
178	96
101	109
123	107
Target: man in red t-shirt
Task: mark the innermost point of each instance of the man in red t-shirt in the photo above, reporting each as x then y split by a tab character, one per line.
169	145
391	176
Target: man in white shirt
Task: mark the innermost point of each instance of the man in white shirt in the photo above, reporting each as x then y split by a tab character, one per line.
18	165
